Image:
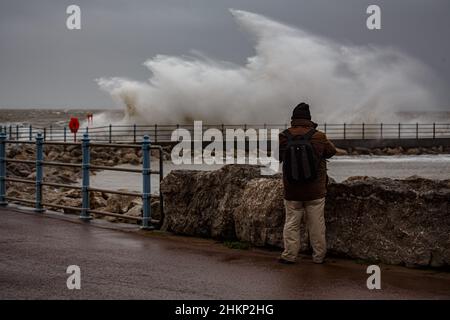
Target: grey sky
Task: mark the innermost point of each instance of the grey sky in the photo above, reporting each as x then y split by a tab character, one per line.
42	64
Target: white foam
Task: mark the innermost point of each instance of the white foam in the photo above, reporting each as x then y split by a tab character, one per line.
342	82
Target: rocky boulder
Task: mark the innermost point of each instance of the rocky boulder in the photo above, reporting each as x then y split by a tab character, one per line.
201	203
392	221
120	204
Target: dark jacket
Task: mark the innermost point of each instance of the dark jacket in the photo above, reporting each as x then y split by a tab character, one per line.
324	149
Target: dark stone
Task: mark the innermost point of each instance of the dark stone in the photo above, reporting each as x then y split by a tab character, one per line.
201	203
392	221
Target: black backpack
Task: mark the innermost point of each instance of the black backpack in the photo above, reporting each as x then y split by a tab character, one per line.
300	162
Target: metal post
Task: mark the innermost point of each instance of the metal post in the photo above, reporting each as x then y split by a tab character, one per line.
10	132
45	134
434	130
224	142
65	133
156	133
146	206
399	125
17	132
51	132
325	128
134	133
39	171
381	130
345	131
363	131
3	201
110	133
30	132
161	176
417	130
84	215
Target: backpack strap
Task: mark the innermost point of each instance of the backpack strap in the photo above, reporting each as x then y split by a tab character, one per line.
288	135
306	136
309	134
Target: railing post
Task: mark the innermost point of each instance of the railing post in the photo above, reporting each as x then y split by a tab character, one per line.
381	130
399	126
110	133
224	142
51	132
434	130
3	201
161	176
146	206
45	134
345	129
84	215
134	133
10	132
39	171
17	132
325	128
417	130
156	133
65	133
30	132
363	135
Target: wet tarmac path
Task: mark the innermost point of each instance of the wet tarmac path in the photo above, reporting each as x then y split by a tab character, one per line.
130	264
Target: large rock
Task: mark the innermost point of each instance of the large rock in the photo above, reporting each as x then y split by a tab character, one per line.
120	204
391	221
202	203
260	218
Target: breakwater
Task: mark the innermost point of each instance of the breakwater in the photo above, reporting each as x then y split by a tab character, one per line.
404	222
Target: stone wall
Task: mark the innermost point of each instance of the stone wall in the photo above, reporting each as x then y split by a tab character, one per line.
392	221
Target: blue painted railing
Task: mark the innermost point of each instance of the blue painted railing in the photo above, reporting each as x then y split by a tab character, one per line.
85	185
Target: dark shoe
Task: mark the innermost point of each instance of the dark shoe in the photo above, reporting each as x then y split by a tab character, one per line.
284	261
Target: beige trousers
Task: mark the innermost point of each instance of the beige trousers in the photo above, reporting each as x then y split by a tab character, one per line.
315	224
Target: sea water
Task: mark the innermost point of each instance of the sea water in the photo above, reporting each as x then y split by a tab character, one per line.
339	168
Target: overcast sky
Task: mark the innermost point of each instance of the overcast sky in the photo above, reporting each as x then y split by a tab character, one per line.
43	64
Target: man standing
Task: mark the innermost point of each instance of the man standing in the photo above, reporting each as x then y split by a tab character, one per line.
304	183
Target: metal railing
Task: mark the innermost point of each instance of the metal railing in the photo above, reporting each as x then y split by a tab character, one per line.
85	188
162	133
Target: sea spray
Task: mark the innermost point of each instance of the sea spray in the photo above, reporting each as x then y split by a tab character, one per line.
342	83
